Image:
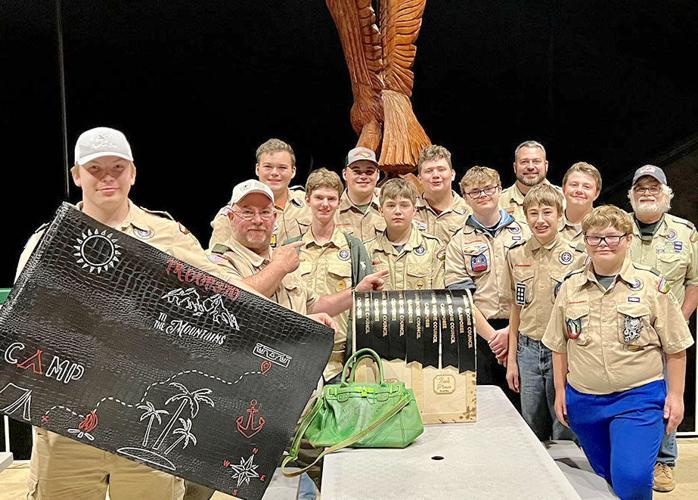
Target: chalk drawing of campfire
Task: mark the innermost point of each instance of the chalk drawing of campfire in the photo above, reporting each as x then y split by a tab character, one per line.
187	399
213	306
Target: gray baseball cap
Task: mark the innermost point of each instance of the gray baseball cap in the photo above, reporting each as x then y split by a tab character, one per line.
652	171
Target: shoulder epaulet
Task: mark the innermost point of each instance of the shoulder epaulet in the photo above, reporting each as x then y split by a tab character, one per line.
681	221
579	247
649	269
297	187
572	273
430	237
516	245
159	213
219	248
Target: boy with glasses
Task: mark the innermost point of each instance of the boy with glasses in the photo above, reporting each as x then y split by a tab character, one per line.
440	211
359	210
537	269
611	324
475	259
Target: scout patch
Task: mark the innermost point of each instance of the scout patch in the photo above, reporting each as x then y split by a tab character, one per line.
574	328
663	285
632	329
633	298
516	238
565	258
344	254
636	284
514	229
420	250
143	234
678	246
422	226
183	229
478	263
671	235
520	297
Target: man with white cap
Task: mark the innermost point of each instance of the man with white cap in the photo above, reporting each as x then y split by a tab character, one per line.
276	167
359	210
62	468
670	245
249	257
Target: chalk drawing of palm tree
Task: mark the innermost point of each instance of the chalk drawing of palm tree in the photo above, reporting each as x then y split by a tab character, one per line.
186	435
152	414
193	398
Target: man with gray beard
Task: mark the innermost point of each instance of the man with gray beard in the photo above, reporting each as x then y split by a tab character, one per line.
670	245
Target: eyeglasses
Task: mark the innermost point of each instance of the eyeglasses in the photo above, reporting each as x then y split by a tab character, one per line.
248	215
647	189
478	193
611	240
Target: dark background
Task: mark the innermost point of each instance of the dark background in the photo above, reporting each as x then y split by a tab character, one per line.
197	86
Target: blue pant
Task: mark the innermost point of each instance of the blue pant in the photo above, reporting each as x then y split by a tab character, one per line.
620	434
538	390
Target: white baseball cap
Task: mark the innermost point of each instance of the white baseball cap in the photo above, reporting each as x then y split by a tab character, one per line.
248	187
361	153
101	141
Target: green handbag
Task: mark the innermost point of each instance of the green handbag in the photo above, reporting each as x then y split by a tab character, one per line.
360	415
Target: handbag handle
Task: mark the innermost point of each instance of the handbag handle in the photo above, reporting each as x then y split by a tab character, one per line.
353	361
293	453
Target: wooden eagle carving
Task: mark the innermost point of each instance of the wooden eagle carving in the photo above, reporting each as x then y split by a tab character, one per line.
380	62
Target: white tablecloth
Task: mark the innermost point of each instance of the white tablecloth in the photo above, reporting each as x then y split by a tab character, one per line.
497	457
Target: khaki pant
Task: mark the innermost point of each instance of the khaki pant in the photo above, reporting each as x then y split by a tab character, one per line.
62	468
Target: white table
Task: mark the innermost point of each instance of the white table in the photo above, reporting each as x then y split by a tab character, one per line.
496	457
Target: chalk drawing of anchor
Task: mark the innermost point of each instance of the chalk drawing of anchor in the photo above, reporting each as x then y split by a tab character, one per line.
249	428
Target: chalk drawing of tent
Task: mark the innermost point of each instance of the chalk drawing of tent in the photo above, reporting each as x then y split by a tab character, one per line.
21	397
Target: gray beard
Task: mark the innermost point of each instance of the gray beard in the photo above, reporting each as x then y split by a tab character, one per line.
649	211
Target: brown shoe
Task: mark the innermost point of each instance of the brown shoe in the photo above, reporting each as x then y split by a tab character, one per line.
663	478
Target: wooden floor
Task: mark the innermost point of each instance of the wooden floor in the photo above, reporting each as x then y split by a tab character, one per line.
13	479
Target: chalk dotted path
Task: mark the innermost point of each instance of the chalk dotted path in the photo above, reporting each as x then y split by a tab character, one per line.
111	398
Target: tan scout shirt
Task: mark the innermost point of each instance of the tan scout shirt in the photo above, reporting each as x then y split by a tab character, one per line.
535	272
673	251
512	199
571	232
445	224
326	269
613	338
157	229
364	226
474	256
241	262
419	266
291	221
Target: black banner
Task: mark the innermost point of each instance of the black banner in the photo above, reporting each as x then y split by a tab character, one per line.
115	344
433	327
